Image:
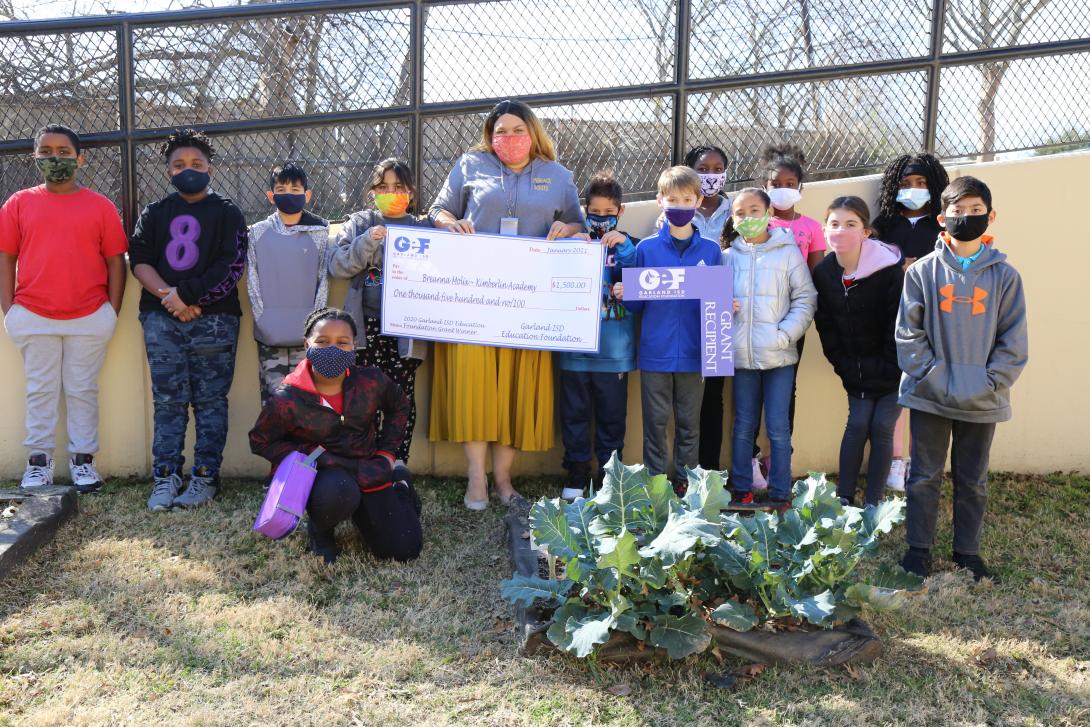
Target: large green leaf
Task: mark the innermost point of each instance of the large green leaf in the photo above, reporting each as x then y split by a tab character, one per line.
762	528
524	590
619	553
550	526
881	599
587	632
680	635
735	528
817	609
738	616
706	492
652	573
680	536
882	517
663	499
624	493
794	532
578	514
895	577
730	557
577	629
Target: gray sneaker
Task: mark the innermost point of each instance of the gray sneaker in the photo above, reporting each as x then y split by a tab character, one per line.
203	486
164	489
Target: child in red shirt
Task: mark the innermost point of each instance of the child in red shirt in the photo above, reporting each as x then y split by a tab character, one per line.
61	302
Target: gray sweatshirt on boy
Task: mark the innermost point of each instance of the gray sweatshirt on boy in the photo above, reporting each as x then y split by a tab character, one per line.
961	335
287	277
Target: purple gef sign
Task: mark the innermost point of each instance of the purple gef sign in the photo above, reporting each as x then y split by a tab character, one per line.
713	286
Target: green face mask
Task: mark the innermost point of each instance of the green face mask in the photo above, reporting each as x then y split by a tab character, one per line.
752	227
56	169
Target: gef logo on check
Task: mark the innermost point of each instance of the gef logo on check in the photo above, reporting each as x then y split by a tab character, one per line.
670	278
404	244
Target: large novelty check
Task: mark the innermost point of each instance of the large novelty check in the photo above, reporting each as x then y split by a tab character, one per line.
493	290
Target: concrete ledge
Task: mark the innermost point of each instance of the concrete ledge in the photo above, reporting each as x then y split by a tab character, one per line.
36	521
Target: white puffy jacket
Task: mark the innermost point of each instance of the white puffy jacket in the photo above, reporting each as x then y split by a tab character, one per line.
777	297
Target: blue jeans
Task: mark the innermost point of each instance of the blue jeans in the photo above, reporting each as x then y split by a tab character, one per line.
772	388
869	418
191	364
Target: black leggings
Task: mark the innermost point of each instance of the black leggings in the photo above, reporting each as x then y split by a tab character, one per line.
388	519
711	417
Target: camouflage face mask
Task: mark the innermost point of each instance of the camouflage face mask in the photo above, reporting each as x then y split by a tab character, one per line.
56	169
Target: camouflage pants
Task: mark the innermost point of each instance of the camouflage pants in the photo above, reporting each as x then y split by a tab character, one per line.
274	364
192	365
381	352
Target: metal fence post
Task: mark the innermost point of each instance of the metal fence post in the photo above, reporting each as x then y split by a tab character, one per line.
681	78
416	91
127	117
934	71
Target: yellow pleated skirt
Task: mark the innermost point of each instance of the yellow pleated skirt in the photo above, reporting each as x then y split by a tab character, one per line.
486	394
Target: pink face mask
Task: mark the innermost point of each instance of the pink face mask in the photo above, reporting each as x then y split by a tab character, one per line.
845	239
512	148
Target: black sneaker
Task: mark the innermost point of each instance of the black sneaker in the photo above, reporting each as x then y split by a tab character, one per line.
975	564
324	545
918	561
576	483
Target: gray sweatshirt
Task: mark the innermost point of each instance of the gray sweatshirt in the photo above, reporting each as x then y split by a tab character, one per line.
777	297
286	277
357	257
481	189
961	336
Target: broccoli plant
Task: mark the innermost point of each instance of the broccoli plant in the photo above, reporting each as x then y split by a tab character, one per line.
636	558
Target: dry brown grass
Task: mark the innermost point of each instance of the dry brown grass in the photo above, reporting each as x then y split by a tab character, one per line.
134	618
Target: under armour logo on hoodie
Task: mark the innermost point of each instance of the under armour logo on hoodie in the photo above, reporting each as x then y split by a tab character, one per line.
948	299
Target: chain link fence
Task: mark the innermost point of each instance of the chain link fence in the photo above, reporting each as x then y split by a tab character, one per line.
338	86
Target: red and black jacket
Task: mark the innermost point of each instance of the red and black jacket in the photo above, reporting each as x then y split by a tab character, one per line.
296	419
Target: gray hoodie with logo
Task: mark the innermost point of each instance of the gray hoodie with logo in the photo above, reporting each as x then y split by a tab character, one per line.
961	335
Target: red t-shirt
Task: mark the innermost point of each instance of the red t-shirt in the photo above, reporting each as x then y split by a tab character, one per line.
61	242
335	401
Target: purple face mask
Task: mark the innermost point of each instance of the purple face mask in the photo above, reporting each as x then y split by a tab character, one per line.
680	216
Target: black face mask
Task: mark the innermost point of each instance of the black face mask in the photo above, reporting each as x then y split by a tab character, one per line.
967	227
290	204
190	181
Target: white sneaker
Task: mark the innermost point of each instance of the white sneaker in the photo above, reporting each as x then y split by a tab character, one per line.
85	477
759	481
897	472
570	493
39	472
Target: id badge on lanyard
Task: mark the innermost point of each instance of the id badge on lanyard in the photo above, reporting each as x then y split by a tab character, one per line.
509	225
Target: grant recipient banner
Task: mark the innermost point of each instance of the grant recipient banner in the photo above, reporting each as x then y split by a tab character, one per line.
492	290
713	287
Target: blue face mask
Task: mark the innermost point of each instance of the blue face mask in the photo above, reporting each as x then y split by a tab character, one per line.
190	181
290	204
601	224
330	361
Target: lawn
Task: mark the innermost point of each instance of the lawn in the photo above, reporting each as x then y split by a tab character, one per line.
188	618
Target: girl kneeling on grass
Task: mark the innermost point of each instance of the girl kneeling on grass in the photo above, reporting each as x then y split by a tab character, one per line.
773	303
859	292
329	401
